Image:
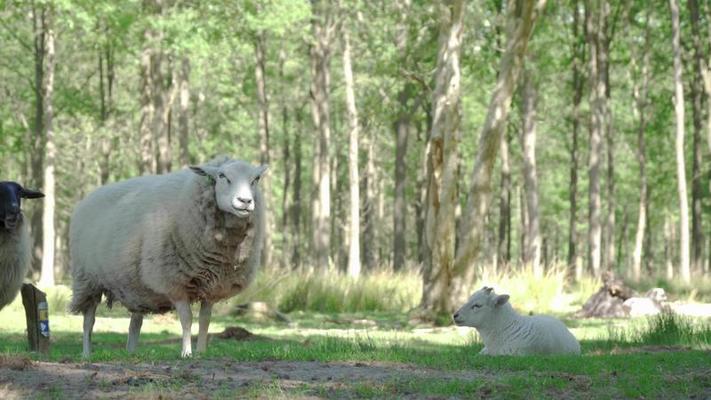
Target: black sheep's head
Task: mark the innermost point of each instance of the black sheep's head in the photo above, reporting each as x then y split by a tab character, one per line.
11	195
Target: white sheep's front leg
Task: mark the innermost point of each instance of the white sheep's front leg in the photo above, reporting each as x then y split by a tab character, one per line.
134	329
182	307
204	321
89	318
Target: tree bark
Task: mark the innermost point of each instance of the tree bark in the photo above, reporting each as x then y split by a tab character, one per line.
264	147
520	26
504	243
370	256
532	253
48	243
354	181
443	161
323	28
684	269
578	83
147	163
640	91
184	110
697	100
296	203
597	120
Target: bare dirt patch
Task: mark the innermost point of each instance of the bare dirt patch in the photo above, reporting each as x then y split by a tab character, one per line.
199	378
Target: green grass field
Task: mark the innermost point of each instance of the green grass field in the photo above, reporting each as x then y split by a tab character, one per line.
666	357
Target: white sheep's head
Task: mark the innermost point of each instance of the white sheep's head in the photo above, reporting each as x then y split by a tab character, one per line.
11	195
481	307
235	185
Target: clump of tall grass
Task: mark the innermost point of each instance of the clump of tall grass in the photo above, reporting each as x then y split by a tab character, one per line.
665	329
331	291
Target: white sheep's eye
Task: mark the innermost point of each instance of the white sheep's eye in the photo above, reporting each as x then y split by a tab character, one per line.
255	180
475	306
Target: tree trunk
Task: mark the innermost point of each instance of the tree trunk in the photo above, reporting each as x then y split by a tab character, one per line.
443	162
320	57
504	243
520	23
147	163
370	257
296	203
48	243
697	99
184	110
354	180
684	270
532	253
38	141
669	239
264	148
578	83
593	11
640	91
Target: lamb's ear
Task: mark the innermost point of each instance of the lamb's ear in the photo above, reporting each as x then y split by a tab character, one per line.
205	170
30	194
501	300
488	289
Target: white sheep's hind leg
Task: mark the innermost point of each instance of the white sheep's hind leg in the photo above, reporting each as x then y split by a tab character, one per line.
89	318
134	329
186	321
204	321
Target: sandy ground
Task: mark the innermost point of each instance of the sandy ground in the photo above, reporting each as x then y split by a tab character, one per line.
193	379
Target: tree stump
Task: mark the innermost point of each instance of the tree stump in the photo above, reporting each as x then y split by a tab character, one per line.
37	315
608	301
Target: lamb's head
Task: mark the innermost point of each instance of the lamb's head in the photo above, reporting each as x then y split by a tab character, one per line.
235	185
11	195
481	307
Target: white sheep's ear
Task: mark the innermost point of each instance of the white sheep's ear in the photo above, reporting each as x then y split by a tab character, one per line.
205	170
501	300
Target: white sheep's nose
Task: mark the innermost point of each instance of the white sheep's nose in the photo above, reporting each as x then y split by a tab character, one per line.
244	200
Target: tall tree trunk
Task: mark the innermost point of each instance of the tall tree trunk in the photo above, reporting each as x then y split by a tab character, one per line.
38	141
287	236
578	83
354	180
296	203
593	16
403	126
697	99
184	110
443	161
147	162
520	22
684	269
669	239
504	243
369	245
532	253
640	96
323	28
264	148
48	239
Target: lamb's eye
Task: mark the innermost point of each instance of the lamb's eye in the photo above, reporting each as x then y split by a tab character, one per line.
475	306
255	180
221	175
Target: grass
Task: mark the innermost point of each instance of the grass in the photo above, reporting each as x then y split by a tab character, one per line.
335	319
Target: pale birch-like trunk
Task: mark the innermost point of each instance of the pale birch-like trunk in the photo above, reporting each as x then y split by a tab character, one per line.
520	22
264	148
532	253
354	265
48	223
597	120
684	267
697	99
640	91
578	49
443	161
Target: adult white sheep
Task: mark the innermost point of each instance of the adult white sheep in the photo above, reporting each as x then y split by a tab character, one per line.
14	240
504	331
161	242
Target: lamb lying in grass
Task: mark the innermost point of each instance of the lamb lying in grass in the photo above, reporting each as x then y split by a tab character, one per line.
505	332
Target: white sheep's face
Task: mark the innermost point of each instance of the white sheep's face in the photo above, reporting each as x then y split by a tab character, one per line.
235	185
481	307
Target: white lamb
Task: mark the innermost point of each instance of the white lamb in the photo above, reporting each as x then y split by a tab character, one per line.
505	332
14	239
162	242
